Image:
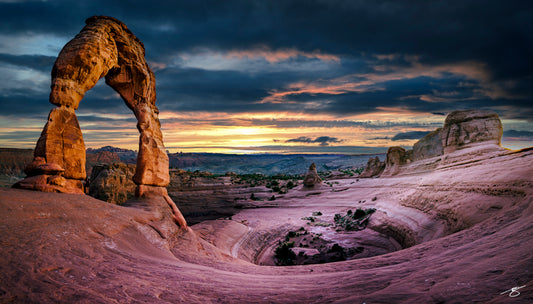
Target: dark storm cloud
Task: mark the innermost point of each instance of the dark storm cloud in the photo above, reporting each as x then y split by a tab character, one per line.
322	140
36	62
496	34
409	135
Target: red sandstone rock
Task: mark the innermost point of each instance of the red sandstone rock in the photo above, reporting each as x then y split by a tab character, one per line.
105	47
61	143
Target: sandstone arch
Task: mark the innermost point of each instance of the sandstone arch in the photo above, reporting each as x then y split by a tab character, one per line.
105	47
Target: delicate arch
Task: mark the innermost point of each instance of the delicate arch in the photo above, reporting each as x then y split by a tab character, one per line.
105	47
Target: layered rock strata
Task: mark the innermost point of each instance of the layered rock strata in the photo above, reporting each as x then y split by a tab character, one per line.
105	47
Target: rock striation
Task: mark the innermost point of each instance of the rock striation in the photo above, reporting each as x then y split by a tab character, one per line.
105	47
311	178
373	168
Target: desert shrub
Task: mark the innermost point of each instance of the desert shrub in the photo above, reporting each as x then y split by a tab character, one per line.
354	220
317	213
284	254
336	248
309	218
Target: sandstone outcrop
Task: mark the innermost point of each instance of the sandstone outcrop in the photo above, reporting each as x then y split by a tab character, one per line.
396	156
429	146
461	130
105	47
373	168
112	183
311	178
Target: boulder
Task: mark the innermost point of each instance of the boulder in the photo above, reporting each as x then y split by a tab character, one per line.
311	178
374	167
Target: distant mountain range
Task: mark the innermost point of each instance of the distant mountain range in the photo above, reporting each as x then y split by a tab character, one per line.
13	161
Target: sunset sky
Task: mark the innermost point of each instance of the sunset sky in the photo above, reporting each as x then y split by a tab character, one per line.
328	76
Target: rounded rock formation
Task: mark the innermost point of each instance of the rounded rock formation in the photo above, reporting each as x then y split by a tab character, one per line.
396	156
311	178
374	167
462	128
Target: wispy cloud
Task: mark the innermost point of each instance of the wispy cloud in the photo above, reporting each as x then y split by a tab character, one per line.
322	140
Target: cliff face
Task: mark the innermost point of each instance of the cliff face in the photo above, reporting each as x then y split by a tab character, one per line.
100	158
13	161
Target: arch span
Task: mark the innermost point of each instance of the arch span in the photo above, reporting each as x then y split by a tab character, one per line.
105	47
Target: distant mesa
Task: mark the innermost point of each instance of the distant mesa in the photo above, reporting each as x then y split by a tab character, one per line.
105	47
461	130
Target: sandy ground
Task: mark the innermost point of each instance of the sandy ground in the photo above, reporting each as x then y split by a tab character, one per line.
465	221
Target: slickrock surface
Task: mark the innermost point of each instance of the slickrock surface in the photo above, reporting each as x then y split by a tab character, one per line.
466	226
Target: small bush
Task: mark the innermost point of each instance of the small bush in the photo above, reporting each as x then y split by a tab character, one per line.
284	254
309	218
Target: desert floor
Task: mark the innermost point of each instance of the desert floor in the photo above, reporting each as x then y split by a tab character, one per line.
457	229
